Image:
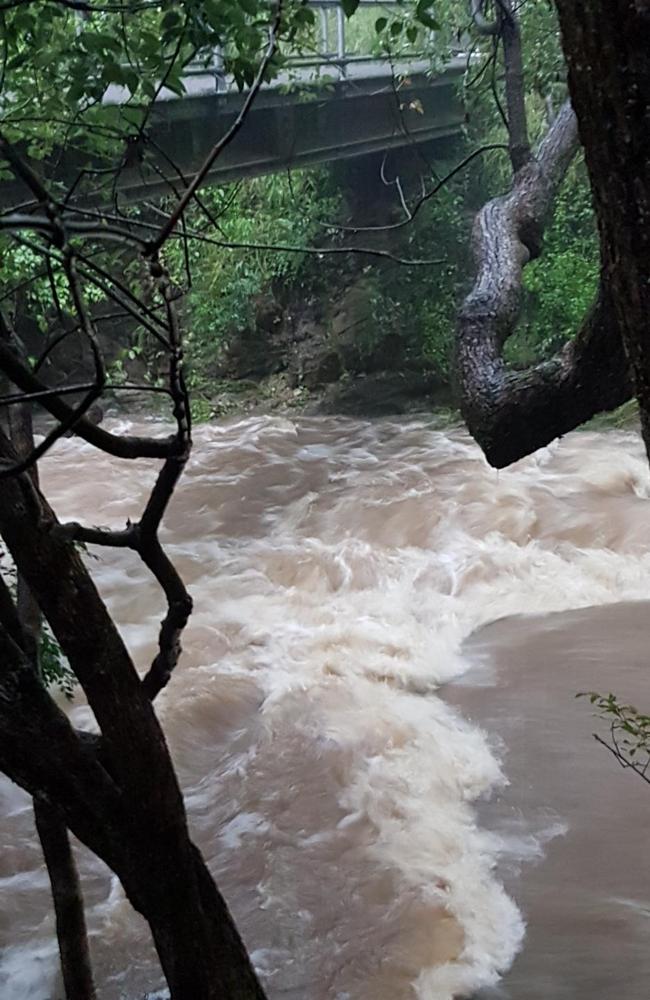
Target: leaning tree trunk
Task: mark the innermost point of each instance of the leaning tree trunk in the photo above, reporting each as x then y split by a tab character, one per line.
67	898
512	413
71	931
68	902
607	46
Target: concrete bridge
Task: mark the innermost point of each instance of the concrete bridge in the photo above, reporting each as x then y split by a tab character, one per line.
338	104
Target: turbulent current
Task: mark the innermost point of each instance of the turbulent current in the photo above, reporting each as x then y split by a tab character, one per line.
397	801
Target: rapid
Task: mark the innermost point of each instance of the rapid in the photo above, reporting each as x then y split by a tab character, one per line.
398	798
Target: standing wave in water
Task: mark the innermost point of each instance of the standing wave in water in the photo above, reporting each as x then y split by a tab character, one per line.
336	566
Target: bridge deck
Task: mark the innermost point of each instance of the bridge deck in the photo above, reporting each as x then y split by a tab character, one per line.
339	104
362	114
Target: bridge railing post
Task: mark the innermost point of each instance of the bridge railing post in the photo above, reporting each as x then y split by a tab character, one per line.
332	48
340	42
218	65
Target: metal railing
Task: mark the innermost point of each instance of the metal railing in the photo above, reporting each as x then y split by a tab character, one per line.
336	47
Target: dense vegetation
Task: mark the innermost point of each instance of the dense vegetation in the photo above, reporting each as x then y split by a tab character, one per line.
416	305
233	278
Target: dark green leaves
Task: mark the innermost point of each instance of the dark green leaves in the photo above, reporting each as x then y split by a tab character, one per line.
349	7
424	16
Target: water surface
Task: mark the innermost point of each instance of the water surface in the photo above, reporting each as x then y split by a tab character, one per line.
351	802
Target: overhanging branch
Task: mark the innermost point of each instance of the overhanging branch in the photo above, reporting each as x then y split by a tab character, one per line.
511	414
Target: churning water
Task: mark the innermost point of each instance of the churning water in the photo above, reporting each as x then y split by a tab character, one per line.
345	759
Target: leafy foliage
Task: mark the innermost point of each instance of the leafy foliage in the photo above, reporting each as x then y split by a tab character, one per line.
229	277
629	731
61	62
55	669
562	282
418	305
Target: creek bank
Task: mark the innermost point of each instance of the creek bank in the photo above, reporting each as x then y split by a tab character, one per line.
324	355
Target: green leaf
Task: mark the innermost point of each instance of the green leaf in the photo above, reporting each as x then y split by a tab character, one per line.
132	80
170	20
380	24
428	21
101	40
305	16
396	28
349	7
113	73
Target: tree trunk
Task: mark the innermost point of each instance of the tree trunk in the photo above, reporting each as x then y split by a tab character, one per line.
68	902
606	43
513	413
200	950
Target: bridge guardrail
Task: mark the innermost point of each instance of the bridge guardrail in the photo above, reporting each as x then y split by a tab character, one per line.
337	44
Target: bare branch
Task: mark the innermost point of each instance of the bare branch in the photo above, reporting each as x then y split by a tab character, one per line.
75	532
121	446
179	608
457	169
624	762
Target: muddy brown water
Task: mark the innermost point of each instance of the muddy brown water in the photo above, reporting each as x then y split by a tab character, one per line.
374	720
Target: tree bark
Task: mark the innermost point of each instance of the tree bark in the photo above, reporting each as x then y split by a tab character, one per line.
606	43
508	26
511	413
68	902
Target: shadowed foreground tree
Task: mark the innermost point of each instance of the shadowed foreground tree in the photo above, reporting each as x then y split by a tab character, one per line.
116	790
606	44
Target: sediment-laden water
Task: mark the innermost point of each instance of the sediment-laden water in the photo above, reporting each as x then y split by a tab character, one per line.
345	758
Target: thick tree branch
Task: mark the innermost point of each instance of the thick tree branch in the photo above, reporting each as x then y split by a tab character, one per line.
121	446
505	28
482	23
513	413
42	753
520	151
68	901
